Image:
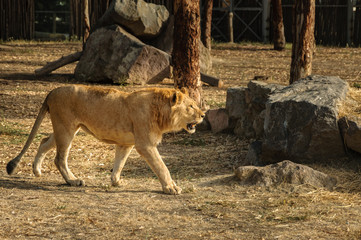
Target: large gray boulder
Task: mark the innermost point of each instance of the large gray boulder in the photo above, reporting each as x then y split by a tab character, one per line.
284	172
301	121
142	19
113	54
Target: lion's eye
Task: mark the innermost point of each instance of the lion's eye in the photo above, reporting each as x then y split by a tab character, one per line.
192	106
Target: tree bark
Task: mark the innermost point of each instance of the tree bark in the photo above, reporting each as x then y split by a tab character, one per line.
303	44
86	20
279	41
207	24
185	56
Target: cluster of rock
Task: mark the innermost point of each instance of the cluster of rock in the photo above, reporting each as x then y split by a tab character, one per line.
299	122
131	43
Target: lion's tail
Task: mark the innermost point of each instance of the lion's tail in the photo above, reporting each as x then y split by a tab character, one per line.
10	167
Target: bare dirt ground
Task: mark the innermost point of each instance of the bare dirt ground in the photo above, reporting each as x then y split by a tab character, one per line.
213	204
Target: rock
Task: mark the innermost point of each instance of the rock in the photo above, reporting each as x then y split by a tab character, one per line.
218	119
351	131
284	172
113	54
246	107
259	92
301	121
235	102
254	153
205	59
142	19
164	41
244	127
240	112
258	124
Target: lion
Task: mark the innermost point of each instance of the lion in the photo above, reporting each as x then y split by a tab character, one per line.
127	120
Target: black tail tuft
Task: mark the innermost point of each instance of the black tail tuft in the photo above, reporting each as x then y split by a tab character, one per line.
10	167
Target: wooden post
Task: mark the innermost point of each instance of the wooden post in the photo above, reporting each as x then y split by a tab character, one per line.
86	21
185	56
207	24
350	17
71	29
303	43
54	22
265	20
230	25
279	41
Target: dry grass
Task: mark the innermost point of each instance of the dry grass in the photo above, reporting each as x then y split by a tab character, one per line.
213	206
351	107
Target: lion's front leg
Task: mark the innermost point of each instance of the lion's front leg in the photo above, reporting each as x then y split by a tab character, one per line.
121	156
154	160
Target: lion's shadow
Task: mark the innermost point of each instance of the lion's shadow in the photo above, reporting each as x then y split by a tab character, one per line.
22	183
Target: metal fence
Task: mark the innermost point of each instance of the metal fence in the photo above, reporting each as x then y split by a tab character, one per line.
240	20
335	22
338	22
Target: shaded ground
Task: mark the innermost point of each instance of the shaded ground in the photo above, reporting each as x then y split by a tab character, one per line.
213	206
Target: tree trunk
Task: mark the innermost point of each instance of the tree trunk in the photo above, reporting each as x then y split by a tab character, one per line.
86	20
207	24
303	44
185	56
279	41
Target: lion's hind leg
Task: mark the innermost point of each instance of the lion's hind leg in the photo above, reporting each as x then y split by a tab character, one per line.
45	146
63	139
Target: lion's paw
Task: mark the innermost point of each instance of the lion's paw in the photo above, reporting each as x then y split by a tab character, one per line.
172	189
116	183
37	172
76	183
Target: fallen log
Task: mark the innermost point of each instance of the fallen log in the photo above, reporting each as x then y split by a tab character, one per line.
51	66
211	80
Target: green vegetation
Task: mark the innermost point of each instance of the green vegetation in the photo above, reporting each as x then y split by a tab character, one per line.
16	132
356	85
11	129
214	104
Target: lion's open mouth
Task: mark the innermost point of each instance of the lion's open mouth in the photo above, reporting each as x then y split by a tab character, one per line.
191	126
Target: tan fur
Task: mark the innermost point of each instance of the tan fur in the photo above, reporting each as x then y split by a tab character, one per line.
125	119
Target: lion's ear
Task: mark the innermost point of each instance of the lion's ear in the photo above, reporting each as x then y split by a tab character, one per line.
176	98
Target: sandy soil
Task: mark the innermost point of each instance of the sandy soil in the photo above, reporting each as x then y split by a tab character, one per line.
213	204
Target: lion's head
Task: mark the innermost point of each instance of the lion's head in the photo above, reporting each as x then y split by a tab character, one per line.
185	113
